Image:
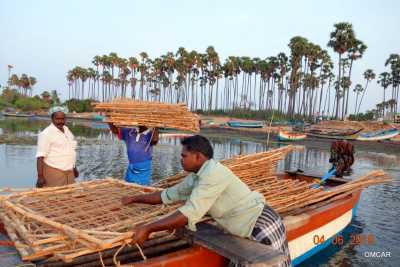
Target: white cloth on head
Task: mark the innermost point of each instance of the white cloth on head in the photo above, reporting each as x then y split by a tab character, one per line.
58	109
57	148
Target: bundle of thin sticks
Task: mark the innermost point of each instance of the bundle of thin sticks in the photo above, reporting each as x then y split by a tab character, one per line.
252	168
125	113
323	197
71	221
286	196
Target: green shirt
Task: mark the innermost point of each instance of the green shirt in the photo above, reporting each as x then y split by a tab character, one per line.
215	190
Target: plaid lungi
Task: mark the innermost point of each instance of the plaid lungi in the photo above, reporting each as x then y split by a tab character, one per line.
270	230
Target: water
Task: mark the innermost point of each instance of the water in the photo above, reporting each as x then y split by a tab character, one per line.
101	155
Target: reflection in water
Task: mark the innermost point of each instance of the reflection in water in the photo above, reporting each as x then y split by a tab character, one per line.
100	154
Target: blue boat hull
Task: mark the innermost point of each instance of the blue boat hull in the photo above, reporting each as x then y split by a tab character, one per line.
237	124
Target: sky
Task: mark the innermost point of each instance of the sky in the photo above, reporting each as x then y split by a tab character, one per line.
46	38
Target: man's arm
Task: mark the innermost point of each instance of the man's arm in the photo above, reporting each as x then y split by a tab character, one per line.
155	137
39	166
76	172
173	221
150	198
113	128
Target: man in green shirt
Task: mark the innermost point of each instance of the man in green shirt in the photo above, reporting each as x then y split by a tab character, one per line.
213	189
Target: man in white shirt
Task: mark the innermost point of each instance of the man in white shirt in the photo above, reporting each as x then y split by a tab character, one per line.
56	154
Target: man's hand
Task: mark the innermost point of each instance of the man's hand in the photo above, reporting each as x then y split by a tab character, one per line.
113	128
127	200
76	172
40	181
40	166
140	234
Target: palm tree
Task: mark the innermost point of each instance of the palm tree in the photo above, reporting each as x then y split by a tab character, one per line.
394	62
384	81
143	70
358	89
354	53
9	67
298	46
326	73
32	82
14	80
24	83
70	80
369	75
341	39
92	77
97	62
133	64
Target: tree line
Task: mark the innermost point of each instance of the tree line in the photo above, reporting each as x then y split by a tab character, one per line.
301	83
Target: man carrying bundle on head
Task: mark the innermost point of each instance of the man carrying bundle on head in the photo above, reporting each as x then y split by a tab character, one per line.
56	154
342	157
213	189
139	145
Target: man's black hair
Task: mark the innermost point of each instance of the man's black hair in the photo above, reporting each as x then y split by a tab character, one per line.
198	143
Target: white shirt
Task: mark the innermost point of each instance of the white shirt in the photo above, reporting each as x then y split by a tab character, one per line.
57	148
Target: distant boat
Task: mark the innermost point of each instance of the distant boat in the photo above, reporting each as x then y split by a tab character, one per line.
242	124
291	136
378	135
18	114
97	117
342	134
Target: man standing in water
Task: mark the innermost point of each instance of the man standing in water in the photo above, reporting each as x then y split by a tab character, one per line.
56	154
139	145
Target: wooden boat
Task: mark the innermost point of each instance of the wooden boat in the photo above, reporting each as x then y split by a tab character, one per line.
18	114
333	134
378	135
97	117
309	231
242	124
290	136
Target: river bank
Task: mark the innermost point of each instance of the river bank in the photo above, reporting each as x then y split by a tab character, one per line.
268	130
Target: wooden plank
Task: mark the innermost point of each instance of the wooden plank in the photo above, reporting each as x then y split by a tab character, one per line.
236	249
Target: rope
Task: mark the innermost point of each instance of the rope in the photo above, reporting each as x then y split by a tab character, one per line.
101	260
141	251
118	263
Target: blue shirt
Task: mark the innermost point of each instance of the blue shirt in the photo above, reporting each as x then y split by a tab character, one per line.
137	143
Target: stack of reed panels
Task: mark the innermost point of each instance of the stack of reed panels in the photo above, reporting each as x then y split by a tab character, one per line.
128	113
74	220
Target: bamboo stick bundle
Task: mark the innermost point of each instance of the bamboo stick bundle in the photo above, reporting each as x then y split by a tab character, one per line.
127	113
249	168
373	178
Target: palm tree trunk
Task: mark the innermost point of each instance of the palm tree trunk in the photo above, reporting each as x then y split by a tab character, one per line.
362	96
338	88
